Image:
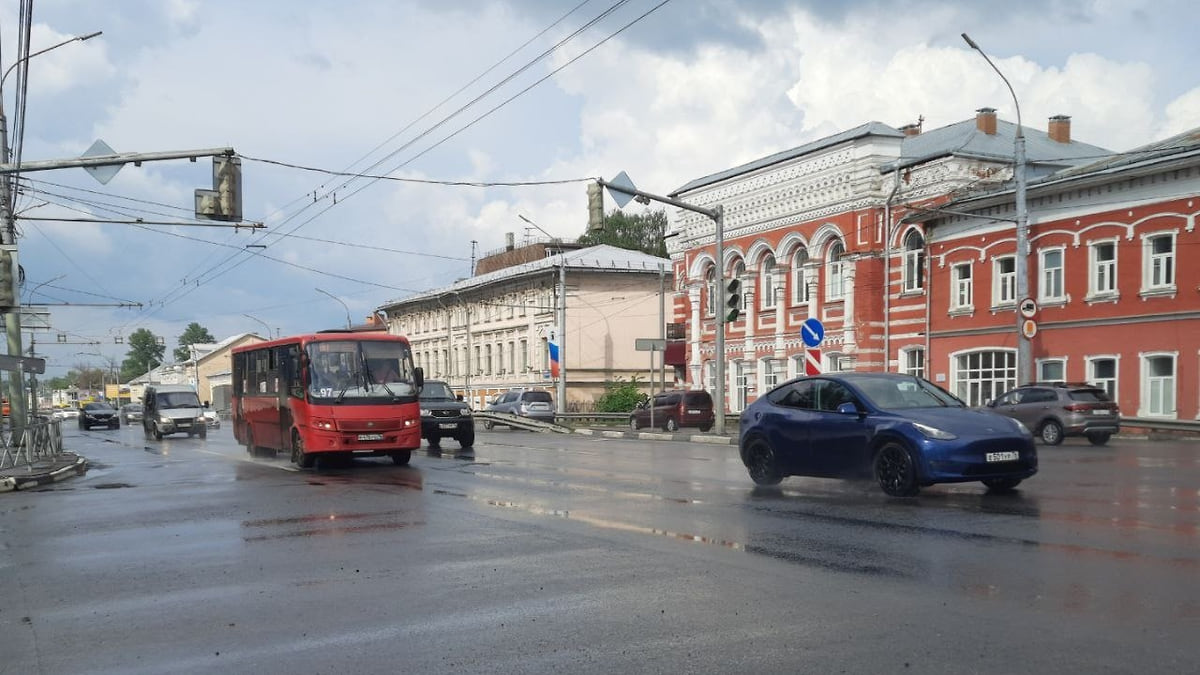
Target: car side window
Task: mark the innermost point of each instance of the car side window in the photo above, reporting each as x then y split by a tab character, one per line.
799	395
1040	396
831	394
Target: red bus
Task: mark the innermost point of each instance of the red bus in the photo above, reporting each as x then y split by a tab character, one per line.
330	392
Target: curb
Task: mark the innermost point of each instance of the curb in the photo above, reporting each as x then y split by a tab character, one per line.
12	483
653	436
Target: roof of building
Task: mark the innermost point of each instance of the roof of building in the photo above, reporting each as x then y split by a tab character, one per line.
963	139
601	258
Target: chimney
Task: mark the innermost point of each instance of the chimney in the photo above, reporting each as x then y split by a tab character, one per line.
911	129
985	120
508	241
1059	129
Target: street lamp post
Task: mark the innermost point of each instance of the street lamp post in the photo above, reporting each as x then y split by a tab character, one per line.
8	238
343	305
1021	266
264	323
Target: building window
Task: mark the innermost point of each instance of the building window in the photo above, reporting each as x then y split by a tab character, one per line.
768	375
914	261
1102	261
1004	281
524	356
512	356
741	384
1052	370
766	283
796	366
1158	385
1050	283
1158	262
984	375
1102	372
961	294
710	286
912	361
487	359
835	287
710	376
799	279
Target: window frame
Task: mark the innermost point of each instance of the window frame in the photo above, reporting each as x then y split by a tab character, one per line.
1102	274
912	271
962	288
766	283
1150	258
800	260
1103	382
1150	383
1052	276
1004	282
835	272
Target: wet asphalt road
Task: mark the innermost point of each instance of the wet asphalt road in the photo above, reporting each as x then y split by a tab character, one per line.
573	554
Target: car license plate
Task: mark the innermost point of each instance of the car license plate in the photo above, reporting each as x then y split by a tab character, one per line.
693	412
370	437
1009	456
1101	412
448	426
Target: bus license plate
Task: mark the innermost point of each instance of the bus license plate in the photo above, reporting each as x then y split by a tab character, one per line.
370	437
1010	456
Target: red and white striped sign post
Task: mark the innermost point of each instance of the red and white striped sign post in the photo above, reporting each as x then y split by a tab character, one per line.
812	362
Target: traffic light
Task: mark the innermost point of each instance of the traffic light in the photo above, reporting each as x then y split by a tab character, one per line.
733	299
595	207
224	201
7	291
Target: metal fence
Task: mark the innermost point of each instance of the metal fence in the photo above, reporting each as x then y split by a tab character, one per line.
42	442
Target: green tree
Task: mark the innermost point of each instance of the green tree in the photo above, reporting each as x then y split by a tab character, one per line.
641	232
144	353
621	396
193	334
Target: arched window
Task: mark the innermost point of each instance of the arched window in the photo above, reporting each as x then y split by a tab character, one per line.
766	282
799	279
914	261
835	282
710	292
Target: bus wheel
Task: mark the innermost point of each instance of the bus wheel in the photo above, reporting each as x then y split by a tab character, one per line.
401	458
250	448
299	457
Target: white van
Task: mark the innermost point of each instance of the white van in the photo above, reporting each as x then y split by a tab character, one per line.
172	409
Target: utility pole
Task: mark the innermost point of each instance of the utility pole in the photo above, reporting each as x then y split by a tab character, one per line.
717	213
561	391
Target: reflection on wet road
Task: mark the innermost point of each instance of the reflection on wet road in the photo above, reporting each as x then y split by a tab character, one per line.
1099	551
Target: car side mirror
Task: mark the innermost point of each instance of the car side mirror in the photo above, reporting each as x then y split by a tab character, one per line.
990	403
458	396
847	408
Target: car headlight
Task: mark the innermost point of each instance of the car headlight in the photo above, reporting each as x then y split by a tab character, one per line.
466	412
426	412
323	424
933	432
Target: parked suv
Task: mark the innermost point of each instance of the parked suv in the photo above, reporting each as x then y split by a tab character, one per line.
532	403
1055	410
445	415
674	409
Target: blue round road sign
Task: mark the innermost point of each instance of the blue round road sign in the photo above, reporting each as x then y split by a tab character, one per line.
812	332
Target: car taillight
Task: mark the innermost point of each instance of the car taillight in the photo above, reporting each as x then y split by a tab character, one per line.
1077	407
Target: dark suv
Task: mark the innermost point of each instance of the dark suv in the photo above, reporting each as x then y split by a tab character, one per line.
532	403
445	415
98	414
1055	410
674	409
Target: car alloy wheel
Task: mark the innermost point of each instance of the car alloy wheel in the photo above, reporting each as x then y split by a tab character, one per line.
895	471
760	462
1051	432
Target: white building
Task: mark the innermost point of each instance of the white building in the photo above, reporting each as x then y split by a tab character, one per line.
491	332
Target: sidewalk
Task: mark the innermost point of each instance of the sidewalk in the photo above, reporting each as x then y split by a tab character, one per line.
43	472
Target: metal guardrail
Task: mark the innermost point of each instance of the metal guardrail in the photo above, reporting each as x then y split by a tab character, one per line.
517	422
43	441
1158	424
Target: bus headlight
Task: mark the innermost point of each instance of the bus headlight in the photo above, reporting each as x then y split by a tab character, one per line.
323	424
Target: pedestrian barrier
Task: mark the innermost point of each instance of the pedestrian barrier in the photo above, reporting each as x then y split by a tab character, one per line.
41	441
517	422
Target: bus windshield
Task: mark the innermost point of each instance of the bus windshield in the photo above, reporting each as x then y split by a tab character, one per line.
350	369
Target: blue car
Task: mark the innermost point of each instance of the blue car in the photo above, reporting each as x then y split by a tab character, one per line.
903	431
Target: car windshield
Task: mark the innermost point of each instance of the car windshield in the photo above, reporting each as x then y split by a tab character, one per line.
342	369
132	408
894	393
436	391
98	407
177	399
535	397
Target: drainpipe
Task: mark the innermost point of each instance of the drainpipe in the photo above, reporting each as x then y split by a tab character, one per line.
887	273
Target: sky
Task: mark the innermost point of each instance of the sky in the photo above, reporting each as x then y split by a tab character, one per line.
523	99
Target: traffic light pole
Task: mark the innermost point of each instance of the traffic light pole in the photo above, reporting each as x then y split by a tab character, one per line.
717	213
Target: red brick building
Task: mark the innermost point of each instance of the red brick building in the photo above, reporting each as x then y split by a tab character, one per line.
818	231
1118	300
